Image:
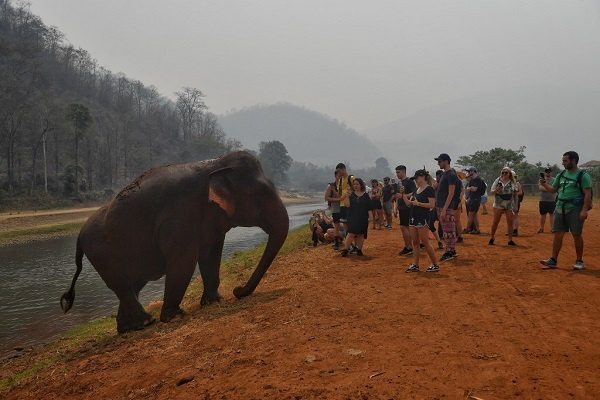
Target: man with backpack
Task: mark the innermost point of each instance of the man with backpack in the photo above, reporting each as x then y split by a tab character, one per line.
573	187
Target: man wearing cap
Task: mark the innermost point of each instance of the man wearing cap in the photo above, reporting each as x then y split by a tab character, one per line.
475	189
446	202
547	201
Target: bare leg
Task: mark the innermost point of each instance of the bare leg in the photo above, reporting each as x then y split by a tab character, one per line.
557	244
406	236
415	243
423	235
509	222
578	239
360	241
542	222
497	215
551	218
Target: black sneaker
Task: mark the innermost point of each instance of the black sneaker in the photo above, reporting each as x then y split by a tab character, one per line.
406	252
460	239
449	255
412	268
511	243
353	249
433	268
475	232
344	253
491	242
359	253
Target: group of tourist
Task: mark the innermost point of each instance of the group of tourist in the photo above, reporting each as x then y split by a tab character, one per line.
421	200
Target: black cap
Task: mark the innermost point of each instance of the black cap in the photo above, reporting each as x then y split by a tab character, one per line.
340	166
443	157
420	172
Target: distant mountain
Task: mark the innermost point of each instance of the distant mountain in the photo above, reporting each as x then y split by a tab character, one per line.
548	121
308	135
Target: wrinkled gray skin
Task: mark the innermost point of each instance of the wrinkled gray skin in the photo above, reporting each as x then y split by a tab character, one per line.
171	218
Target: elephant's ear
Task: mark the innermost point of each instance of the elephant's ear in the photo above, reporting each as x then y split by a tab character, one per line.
221	191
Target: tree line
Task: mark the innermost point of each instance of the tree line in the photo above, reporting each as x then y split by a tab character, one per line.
69	126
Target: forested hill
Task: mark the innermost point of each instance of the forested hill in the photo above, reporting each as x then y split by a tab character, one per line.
67	119
308	135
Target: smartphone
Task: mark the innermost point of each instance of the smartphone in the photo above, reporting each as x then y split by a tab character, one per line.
542	175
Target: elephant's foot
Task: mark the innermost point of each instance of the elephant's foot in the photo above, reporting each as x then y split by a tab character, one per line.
208	299
134	322
167	315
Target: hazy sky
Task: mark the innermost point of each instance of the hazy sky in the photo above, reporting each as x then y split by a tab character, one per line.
363	62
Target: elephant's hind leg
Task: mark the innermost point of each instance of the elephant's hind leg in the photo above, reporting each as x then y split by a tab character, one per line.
131	315
210	270
180	268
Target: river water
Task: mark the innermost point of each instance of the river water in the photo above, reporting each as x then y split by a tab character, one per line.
34	275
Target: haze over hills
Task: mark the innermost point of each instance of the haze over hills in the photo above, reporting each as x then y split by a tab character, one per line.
547	120
308	135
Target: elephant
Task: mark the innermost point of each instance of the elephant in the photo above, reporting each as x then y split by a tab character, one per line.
170	218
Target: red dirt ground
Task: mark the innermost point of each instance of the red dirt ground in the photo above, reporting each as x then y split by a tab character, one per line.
492	324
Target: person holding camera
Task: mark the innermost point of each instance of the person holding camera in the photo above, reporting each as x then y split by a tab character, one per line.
504	189
547	200
574	189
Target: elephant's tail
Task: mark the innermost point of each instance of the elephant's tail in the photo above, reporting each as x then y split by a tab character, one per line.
67	299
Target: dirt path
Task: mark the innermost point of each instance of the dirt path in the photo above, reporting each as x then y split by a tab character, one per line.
492	324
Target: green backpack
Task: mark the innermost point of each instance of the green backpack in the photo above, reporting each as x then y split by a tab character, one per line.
578	182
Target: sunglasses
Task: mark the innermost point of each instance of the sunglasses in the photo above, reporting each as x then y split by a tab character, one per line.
504	172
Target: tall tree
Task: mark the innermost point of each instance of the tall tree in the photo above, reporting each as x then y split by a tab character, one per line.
190	105
275	160
80	117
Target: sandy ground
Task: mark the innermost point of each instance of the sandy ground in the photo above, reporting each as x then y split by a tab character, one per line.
492	324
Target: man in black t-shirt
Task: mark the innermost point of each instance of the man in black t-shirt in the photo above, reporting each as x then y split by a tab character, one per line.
405	186
388	195
446	202
475	189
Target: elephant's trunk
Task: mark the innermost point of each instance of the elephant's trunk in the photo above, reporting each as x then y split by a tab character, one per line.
276	224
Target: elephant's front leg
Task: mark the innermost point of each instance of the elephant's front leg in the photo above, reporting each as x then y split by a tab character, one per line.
180	268
210	268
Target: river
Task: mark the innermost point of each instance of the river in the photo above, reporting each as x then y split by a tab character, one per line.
34	275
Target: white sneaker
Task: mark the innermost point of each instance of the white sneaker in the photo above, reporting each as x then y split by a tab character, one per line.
578	265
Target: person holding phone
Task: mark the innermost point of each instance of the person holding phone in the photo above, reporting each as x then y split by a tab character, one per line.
504	189
358	217
574	189
547	200
421	202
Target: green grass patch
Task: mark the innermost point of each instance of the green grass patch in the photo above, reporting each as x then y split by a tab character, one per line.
95	335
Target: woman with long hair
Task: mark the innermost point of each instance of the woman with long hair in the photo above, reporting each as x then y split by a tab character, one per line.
504	189
376	195
358	217
421	202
